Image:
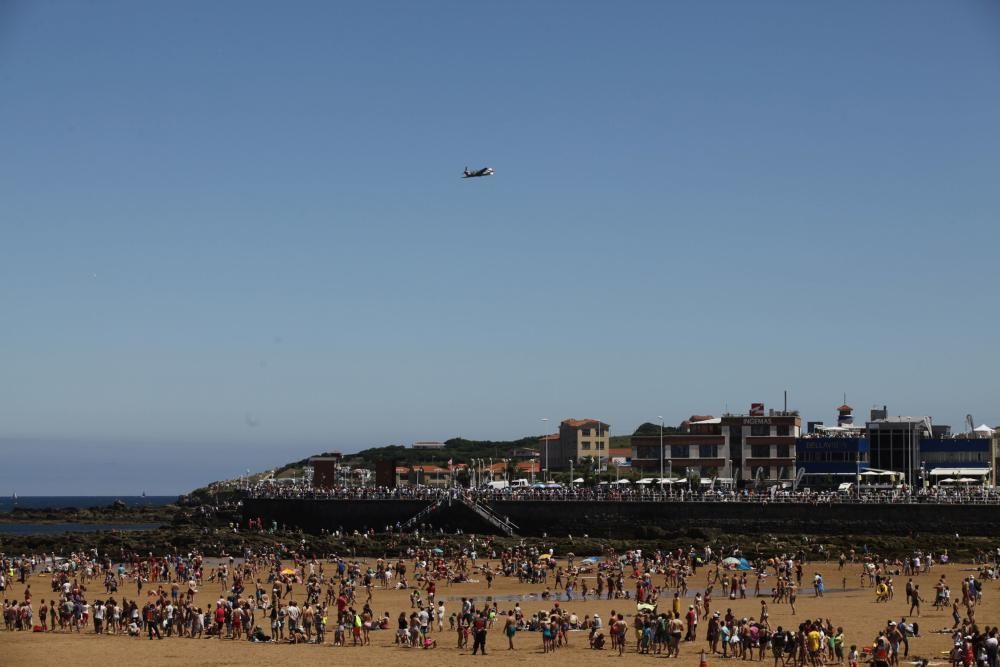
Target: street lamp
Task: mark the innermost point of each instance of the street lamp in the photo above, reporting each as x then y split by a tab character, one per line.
571	473
545	437
670	474
661	453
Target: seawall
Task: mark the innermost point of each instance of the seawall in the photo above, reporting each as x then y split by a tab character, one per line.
628	519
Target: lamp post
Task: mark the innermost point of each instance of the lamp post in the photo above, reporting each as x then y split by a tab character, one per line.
545	437
661	453
670	474
601	452
571	473
857	472
491	469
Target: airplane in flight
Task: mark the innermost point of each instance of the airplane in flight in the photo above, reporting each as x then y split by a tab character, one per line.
485	171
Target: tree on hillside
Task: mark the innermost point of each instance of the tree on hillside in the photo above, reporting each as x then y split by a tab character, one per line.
649	428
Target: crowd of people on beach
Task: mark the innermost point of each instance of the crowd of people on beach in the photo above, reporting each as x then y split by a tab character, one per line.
280	596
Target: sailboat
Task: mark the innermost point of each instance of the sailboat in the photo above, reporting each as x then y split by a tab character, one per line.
13	497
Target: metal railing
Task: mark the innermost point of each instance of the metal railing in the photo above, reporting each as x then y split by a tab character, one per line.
504	524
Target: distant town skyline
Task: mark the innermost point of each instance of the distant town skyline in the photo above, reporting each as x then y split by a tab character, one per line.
237	234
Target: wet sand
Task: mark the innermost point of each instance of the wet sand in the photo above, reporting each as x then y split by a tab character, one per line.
853	608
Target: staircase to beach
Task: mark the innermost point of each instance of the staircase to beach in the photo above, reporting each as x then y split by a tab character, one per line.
503	524
416	518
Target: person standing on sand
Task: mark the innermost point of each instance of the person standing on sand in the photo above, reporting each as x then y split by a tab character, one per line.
915	600
618	633
509	629
479	634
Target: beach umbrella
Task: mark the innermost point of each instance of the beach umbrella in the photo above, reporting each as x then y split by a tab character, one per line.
544	557
731	561
288	571
645	606
592	559
437	552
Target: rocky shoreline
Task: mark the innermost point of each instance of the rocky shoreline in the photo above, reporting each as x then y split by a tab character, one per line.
114	513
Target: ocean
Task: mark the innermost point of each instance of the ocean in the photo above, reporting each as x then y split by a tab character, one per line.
43	502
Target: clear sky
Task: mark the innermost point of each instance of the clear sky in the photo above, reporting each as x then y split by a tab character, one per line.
233	234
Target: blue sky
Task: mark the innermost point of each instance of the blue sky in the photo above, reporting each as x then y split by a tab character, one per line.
233	234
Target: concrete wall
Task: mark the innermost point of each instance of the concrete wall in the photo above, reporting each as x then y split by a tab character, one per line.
350	515
623	520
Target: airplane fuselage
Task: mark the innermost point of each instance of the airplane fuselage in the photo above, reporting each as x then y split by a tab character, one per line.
486	171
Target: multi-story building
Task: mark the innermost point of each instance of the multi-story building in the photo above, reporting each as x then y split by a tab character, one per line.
700	450
959	460
423	475
761	445
428	444
732	448
895	442
832	455
578	439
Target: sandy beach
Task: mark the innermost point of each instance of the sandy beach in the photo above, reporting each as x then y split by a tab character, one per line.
853	608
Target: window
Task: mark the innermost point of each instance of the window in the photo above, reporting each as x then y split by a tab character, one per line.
585	445
783	429
760	429
784	452
678	451
600	444
760	451
708	451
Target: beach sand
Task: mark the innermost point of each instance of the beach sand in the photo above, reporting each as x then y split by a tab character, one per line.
853	608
